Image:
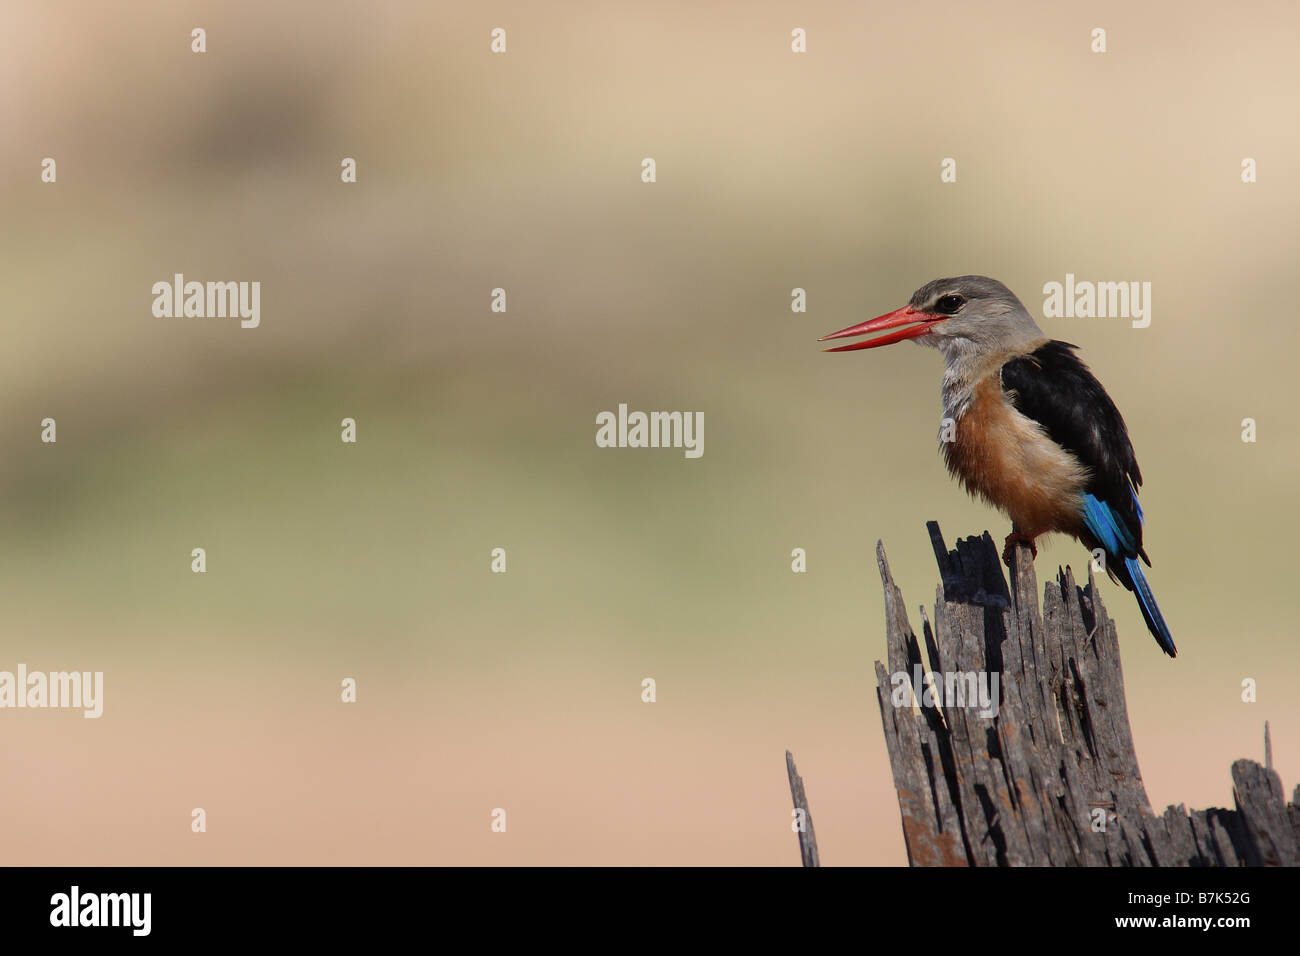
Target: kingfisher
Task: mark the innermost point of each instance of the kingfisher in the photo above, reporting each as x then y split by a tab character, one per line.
1028	427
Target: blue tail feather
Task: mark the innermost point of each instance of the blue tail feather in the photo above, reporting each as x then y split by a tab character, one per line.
1110	531
1150	610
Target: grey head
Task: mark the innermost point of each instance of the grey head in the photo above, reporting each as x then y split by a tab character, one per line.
980	317
975	322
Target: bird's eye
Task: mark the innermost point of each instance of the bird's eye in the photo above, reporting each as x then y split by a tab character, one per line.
949	304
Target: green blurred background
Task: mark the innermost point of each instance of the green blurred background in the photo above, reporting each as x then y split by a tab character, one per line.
476	429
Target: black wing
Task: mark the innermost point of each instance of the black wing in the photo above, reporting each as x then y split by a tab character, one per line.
1054	388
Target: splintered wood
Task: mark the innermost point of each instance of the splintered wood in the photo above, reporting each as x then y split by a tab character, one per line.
1011	746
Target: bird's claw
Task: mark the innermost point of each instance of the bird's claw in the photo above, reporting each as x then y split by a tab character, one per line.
1013	539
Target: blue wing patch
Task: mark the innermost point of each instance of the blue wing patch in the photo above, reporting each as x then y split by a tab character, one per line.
1108	528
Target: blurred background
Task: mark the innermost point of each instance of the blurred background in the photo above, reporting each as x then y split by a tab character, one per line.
476	429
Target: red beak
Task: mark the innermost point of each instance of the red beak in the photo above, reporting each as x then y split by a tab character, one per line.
918	324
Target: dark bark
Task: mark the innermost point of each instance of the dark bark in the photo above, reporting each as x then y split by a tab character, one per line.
807	836
1052	778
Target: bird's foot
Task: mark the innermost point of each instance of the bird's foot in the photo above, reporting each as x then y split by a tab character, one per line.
1013	539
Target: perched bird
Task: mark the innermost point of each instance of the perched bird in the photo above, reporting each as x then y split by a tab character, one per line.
1030	429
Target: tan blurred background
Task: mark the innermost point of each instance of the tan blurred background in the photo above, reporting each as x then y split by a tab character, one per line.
476	430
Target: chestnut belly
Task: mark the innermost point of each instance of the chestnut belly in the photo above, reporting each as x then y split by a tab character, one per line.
1007	459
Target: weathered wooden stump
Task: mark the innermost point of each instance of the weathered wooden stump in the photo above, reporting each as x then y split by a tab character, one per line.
803	816
1051	778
